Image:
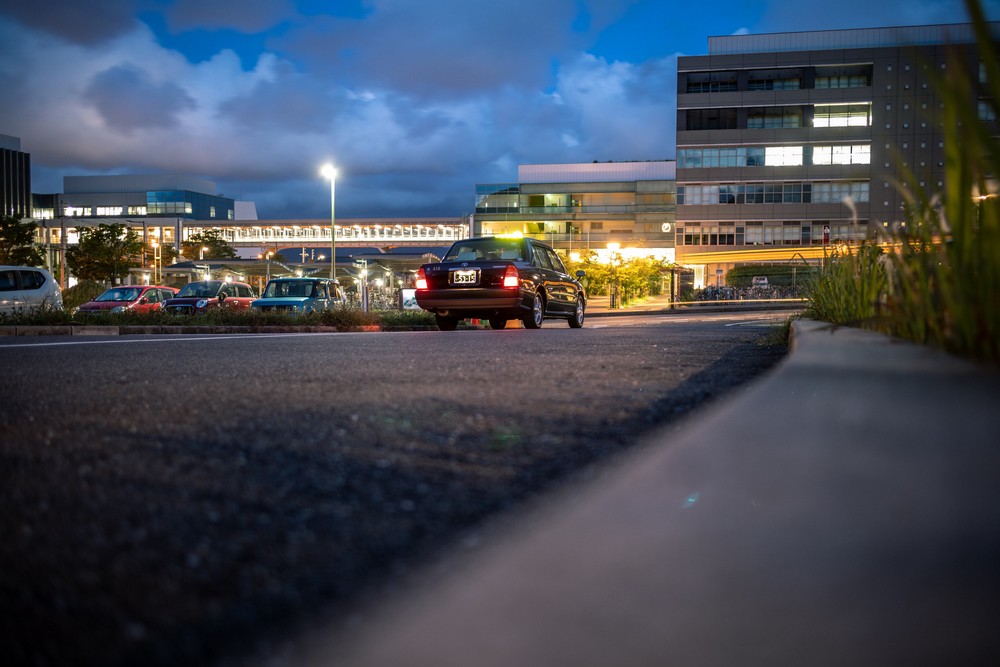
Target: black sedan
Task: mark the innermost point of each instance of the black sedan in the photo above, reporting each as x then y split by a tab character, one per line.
500	279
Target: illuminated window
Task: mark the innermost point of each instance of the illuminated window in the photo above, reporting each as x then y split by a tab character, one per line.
856	154
842	115
783	156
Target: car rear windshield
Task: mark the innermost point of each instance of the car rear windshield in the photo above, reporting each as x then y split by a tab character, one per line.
289	288
473	249
128	294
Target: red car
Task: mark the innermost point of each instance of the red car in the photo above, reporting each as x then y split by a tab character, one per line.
129	299
204	295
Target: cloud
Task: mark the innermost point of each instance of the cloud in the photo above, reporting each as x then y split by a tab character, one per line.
83	23
240	15
129	99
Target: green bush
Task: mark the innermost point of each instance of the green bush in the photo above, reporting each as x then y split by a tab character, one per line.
82	292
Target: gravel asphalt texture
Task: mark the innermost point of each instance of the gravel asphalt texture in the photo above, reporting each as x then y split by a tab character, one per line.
200	502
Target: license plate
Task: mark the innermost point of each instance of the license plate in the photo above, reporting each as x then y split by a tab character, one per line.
464	277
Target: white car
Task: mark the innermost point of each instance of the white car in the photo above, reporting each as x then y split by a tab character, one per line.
24	289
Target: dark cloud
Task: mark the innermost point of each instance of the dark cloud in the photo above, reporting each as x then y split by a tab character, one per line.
290	103
77	22
128	99
449	47
241	15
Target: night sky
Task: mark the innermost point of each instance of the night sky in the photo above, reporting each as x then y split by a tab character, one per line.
415	101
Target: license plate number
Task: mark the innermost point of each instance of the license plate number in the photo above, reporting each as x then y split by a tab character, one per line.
464	277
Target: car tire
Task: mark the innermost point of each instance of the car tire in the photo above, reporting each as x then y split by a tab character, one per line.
446	323
534	319
576	320
498	322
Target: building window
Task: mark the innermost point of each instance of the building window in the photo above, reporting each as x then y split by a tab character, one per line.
711	119
856	154
774	80
774	117
842	115
783	156
711	82
836	191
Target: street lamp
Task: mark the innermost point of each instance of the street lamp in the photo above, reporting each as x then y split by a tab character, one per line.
613	257
201	253
157	261
330	172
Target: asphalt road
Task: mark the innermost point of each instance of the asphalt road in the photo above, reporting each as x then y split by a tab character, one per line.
197	500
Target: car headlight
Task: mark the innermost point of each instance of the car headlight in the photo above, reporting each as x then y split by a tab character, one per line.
118	309
201	303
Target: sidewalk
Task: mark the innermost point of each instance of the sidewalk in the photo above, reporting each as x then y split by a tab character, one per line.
841	511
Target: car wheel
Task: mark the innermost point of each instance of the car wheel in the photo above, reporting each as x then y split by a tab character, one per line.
576	321
533	320
446	323
498	323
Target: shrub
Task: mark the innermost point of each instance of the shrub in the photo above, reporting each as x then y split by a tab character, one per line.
82	292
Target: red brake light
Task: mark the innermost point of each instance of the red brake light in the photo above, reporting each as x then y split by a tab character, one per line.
421	279
510	277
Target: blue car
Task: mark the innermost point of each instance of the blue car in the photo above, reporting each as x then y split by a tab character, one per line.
299	296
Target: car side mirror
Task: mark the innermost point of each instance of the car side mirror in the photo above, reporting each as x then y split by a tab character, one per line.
580	273
222	297
143	300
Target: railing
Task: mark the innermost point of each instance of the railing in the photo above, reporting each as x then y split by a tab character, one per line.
320	234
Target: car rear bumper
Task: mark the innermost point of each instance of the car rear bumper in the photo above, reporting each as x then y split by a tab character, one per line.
471	299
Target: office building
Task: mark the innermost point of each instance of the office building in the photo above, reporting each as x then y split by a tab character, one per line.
584	206
15	178
788	143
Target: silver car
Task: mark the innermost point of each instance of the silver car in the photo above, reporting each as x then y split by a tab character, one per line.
25	289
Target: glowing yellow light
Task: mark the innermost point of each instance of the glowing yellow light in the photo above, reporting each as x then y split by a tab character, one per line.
510	235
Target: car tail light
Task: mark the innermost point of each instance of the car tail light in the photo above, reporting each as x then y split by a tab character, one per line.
421	278
510	277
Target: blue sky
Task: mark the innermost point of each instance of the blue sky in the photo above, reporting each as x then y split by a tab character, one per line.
415	101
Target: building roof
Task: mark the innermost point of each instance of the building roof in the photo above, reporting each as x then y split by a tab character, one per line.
856	38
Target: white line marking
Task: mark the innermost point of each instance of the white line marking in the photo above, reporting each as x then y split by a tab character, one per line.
174	338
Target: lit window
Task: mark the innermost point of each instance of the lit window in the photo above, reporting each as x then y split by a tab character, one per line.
783	156
842	115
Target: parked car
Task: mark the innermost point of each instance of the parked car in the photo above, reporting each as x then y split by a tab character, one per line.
25	289
204	295
299	296
129	298
500	279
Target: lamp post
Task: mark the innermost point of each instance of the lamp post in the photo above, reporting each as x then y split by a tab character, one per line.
201	253
613	249
157	261
330	172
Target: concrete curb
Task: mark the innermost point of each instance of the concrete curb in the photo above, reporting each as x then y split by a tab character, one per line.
842	510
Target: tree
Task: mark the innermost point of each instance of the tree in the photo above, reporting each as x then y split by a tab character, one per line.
17	242
105	253
217	246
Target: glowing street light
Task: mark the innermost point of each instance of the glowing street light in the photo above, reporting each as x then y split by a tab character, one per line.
201	253
157	262
330	172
